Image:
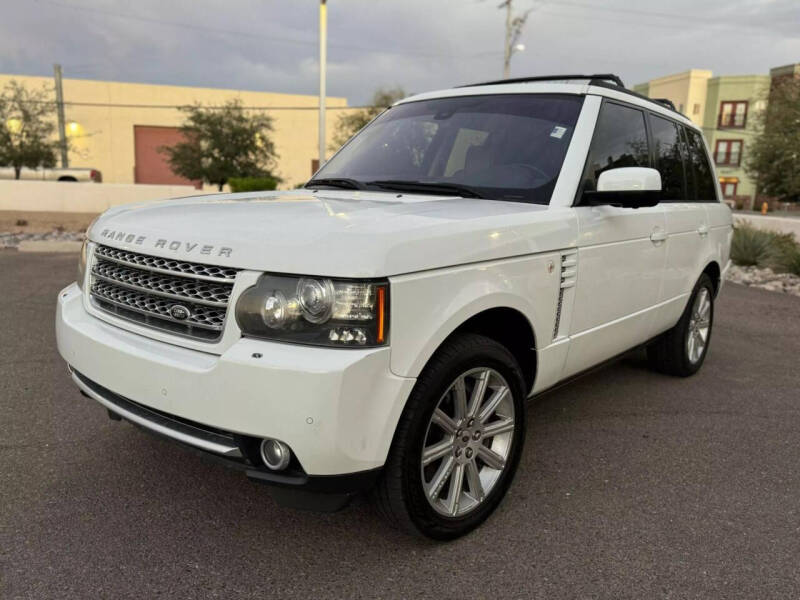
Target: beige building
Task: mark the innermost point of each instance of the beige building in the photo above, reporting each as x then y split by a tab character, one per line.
687	91
118	127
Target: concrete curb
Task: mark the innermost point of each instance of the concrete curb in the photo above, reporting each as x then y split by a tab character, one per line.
49	246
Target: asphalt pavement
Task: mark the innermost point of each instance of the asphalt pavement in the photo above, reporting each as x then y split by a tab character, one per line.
631	485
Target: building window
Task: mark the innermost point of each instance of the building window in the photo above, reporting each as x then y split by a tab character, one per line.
728	186
728	153
733	114
696	109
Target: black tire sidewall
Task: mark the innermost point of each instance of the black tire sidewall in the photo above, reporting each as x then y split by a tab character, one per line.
430	388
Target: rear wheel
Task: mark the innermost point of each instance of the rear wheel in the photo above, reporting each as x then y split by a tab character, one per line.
458	442
682	350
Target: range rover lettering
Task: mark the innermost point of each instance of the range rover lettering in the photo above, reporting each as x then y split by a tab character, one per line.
380	330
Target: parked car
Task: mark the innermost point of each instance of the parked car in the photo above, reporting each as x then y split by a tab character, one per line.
381	330
65	174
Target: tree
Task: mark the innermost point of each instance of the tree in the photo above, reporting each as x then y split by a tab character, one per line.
27	127
221	142
350	124
773	157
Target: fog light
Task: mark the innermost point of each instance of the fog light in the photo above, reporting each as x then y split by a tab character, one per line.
276	455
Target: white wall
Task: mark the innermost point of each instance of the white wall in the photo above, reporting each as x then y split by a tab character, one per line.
54	196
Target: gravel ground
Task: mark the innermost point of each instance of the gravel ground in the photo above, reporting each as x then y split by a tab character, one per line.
631	485
29	221
11	240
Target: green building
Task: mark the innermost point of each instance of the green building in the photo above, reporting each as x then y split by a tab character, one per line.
725	107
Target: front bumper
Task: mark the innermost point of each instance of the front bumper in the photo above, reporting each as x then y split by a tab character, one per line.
336	409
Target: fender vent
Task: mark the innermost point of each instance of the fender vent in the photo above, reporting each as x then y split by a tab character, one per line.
569	275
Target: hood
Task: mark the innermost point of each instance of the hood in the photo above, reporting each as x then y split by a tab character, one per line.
334	233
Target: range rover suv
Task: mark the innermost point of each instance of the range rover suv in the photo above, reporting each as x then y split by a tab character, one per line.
381	329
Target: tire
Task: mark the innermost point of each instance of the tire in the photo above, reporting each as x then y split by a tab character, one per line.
407	495
670	353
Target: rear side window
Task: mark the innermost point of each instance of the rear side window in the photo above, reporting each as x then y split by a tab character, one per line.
669	159
702	173
620	140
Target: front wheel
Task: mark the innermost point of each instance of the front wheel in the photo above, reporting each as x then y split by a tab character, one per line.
682	350
458	442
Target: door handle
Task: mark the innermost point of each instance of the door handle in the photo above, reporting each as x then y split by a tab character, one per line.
658	235
703	229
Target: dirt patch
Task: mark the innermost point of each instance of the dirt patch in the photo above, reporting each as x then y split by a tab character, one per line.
21	221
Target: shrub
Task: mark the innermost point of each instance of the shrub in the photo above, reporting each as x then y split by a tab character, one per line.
764	248
753	247
784	242
252	184
789	260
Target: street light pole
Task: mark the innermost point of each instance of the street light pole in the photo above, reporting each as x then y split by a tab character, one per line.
62	134
323	42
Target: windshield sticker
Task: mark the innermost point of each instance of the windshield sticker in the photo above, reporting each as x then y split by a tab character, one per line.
558	132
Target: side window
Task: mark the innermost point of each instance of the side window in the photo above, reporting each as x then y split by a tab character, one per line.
620	140
669	160
704	187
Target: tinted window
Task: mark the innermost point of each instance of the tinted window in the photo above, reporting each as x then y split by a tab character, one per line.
669	162
620	140
703	175
506	147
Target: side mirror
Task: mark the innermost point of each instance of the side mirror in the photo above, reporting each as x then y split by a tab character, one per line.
629	187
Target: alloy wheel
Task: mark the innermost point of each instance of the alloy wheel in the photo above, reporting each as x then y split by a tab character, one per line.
468	442
699	326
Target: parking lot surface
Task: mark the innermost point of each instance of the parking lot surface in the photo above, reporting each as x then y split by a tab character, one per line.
631	485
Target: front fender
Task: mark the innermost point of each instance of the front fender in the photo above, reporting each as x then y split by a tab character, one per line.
427	307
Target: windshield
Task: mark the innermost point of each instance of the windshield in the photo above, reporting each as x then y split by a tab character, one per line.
499	147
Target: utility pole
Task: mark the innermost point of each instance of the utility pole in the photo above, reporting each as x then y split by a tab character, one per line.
323	42
514	26
62	132
507	54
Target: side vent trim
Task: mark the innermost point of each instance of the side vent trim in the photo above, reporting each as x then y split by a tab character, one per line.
569	276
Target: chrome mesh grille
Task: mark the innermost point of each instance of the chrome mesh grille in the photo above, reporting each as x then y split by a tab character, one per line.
170	265
147	289
177	288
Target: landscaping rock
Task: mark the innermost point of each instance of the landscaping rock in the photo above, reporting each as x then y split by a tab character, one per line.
766	279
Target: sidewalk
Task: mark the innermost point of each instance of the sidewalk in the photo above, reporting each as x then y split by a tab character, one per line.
782	224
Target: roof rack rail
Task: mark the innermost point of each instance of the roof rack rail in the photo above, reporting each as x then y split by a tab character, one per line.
592	78
606	80
665	102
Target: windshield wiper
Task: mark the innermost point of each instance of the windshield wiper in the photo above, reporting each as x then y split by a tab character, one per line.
422	187
336	182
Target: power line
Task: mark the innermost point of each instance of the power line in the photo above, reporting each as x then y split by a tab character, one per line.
260	36
687	24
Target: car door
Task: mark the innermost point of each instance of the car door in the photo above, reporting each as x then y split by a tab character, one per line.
621	251
688	184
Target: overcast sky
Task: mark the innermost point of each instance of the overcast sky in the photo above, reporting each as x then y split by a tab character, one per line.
271	45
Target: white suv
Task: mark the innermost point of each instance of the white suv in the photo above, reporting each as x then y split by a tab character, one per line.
381	329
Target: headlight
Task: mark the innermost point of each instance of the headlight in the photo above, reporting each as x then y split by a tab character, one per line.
82	263
315	310
85	254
